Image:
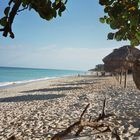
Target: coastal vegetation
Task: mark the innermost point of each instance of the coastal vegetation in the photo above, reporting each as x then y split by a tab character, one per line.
123	17
47	9
98	67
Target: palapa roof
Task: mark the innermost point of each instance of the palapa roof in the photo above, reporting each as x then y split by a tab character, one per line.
121	58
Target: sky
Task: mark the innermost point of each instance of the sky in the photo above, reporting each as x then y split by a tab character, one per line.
76	41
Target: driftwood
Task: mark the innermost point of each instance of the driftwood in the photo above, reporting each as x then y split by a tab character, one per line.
12	138
62	134
115	134
102	115
94	124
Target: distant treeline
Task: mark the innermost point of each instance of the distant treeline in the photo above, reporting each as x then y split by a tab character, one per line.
100	67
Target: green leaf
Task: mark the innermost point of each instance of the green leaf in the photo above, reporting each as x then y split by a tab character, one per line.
62	8
6	11
134	20
134	42
65	1
56	5
138	35
139	3
3	21
113	25
108	20
106	9
57	1
24	3
54	13
110	36
102	20
103	2
118	37
59	13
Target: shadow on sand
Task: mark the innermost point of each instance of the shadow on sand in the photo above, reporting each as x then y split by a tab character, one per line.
74	84
31	97
80	83
51	89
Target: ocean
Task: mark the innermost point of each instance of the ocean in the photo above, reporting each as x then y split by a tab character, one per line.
12	75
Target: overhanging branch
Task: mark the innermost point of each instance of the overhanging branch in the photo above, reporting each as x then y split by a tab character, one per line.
8	27
1	30
23	9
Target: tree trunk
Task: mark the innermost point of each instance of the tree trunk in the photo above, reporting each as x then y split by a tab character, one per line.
136	73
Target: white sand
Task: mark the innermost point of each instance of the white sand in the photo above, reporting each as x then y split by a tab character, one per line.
39	109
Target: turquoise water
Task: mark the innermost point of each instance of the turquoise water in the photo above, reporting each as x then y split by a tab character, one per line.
19	75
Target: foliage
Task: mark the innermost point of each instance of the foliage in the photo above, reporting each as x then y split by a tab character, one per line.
123	16
47	9
99	67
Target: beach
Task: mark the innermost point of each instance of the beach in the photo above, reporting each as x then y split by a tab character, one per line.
39	110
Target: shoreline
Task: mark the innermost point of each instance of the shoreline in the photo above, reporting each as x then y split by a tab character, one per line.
11	76
5	85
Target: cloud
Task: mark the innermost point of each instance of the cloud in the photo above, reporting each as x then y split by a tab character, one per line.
53	57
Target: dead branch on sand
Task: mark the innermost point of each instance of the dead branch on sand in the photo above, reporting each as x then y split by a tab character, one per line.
95	125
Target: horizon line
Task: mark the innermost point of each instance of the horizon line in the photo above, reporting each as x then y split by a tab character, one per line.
38	68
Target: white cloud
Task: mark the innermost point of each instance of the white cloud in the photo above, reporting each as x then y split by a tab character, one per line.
53	57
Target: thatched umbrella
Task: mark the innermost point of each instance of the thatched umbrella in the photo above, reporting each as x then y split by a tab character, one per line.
121	59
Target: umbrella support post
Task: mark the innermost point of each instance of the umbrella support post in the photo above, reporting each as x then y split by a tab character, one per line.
121	77
125	82
117	77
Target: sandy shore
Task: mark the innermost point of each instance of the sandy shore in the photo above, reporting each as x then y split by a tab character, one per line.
40	109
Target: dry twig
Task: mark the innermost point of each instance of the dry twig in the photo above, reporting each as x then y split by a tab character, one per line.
62	134
115	134
80	124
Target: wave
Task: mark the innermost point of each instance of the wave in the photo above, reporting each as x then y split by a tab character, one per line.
14	83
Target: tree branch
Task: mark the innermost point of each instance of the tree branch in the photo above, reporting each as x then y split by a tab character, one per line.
80	124
10	2
102	115
84	112
8	27
62	134
1	30
115	134
23	9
